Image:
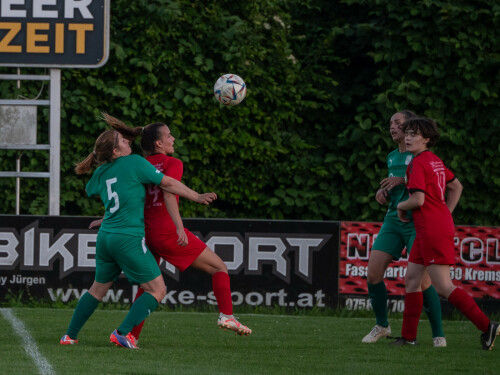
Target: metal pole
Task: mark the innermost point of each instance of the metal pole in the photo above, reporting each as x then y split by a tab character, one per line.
18	184
55	141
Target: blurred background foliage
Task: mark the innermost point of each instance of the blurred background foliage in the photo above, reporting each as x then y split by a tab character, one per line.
311	139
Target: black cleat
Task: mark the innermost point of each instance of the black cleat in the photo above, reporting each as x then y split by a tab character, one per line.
400	341
488	337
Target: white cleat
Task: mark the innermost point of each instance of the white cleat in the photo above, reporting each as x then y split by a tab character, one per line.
230	322
376	333
439	342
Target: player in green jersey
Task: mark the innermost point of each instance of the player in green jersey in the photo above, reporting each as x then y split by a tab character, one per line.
119	181
393	237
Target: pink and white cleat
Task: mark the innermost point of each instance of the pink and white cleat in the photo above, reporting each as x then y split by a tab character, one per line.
230	322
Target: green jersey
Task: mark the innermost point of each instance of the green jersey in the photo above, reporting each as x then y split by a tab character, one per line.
120	184
397	163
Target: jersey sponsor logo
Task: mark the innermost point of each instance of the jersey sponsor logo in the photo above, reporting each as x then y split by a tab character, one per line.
408	159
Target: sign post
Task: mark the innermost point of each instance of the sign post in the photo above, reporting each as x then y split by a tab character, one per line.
50	34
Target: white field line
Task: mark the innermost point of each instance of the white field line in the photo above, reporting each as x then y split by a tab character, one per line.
28	343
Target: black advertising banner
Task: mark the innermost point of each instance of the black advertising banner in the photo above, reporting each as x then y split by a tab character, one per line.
271	263
58	33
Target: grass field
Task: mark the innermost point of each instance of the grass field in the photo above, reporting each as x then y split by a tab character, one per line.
190	343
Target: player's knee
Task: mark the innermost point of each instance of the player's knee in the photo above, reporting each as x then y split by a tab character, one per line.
374	277
162	292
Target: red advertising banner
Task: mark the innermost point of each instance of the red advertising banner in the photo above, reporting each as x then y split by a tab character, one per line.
476	269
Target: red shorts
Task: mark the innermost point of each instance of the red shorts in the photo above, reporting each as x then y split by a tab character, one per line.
165	245
431	250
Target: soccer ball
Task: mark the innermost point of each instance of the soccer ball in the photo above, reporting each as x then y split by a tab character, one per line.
230	89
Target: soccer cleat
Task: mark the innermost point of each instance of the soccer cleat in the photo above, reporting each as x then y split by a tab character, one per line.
66	340
400	341
488	337
127	341
439	342
230	322
376	333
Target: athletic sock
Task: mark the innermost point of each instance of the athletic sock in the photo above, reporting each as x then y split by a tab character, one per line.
222	291
140	310
462	301
85	308
378	299
432	307
136	331
413	308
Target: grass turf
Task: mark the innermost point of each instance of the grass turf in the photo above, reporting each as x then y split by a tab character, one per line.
190	343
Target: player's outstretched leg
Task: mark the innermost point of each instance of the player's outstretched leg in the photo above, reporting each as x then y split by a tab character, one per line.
230	322
125	341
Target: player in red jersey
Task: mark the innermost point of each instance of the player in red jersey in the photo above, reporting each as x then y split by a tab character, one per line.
433	249
166	236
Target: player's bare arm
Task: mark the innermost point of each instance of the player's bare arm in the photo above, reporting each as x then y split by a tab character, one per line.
415	201
454	193
173	186
173	210
96	223
382	196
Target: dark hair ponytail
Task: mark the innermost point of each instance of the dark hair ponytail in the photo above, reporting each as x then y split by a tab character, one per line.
127	132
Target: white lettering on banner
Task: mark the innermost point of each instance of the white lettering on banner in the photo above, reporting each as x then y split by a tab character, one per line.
456	273
20	279
8	244
48	252
237	249
29	247
358	245
85	250
471	250
188	297
303	265
38	249
362	271
40	9
274	256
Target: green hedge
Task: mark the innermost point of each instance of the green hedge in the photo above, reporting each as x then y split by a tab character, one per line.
310	139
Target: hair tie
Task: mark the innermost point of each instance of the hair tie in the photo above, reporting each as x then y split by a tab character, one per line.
93	152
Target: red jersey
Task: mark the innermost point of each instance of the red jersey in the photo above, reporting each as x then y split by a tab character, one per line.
428	174
155	213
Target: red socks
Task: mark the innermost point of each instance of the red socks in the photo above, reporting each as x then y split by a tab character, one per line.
413	308
462	301
222	291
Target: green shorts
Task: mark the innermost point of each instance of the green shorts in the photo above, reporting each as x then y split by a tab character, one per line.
121	252
394	236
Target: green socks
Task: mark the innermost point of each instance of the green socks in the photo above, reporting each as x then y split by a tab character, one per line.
378	299
83	311
432	306
140	310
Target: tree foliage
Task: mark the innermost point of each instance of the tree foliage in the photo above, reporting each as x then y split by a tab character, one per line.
311	138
